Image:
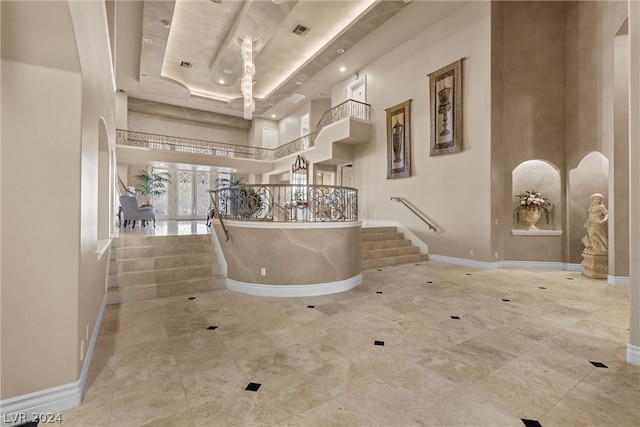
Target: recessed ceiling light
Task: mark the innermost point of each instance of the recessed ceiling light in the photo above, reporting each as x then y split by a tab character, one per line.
273	115
277	1
341	50
165	23
343	69
299	83
221	81
148	40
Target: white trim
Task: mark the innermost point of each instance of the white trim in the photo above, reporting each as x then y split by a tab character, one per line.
55	399
618	280
538	233
290	225
531	265
573	267
633	354
294	290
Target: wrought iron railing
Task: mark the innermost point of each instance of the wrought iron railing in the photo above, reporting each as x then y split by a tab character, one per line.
286	203
350	108
192	146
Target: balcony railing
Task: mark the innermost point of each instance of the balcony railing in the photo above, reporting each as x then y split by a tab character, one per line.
286	203
350	108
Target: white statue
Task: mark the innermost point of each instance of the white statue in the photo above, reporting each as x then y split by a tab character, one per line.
595	242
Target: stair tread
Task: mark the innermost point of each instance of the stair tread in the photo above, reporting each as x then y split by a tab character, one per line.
169	283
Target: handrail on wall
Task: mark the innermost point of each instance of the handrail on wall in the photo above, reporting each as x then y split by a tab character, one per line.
415	211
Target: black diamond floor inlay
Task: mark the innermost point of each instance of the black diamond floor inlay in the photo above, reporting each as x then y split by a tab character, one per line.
212	328
378	343
541	287
378	292
253	387
599	365
379	270
506	300
191	298
531	423
311	306
569	278
455	317
468	274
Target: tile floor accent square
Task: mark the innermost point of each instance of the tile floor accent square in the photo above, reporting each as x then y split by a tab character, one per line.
531	423
541	287
455	317
378	343
506	300
378	292
191	298
253	387
311	306
212	328
599	365
429	281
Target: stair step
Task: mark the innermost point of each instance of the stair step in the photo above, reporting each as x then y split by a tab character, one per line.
128	252
376	237
128	241
390	252
156	276
377	230
396	260
385	244
118	295
160	262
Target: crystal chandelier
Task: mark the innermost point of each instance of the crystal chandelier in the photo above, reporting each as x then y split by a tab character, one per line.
248	70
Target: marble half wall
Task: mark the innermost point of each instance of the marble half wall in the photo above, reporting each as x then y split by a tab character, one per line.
291	254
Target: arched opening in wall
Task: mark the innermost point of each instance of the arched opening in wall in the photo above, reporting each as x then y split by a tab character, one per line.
105	188
537	176
590	176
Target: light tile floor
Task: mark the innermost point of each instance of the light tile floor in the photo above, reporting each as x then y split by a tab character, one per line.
520	348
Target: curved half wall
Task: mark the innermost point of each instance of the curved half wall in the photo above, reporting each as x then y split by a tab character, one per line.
291	259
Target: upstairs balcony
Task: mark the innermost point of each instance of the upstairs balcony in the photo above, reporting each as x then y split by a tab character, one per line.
347	123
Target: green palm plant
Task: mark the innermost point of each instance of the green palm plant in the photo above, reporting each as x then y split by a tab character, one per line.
152	184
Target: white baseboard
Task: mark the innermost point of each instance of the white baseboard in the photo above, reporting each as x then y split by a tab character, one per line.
618	280
21	409
633	354
294	290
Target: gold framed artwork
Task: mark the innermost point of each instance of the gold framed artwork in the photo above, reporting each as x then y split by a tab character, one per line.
399	140
445	96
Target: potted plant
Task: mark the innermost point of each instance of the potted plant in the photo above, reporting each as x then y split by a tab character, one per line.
530	204
152	184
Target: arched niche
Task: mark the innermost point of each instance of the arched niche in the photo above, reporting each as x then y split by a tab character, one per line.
105	187
591	175
543	177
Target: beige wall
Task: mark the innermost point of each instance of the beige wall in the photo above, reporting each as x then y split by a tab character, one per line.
443	187
298	254
142	122
529	114
53	284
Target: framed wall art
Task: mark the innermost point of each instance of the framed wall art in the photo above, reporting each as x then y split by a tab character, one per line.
399	140
445	96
